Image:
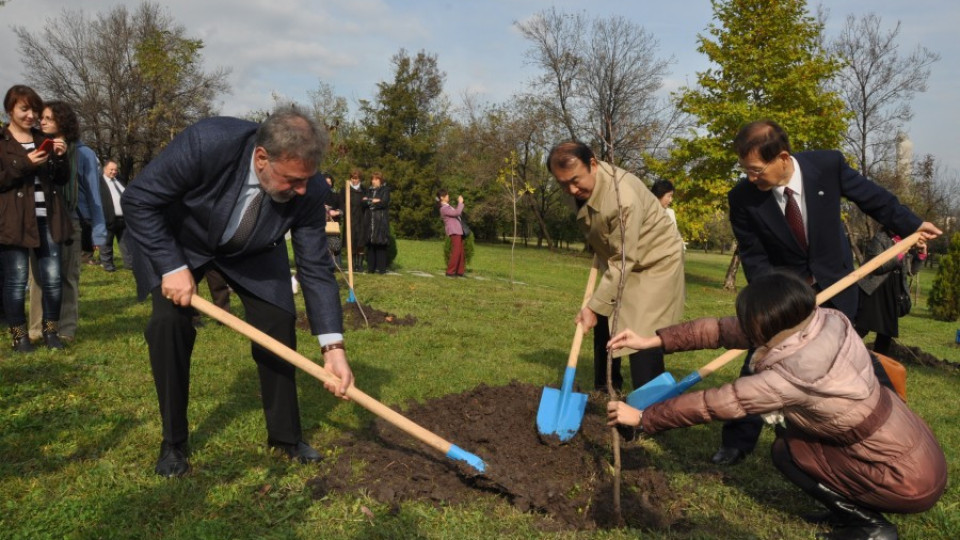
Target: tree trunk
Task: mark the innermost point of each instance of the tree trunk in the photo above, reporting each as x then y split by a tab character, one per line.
730	281
853	243
543	225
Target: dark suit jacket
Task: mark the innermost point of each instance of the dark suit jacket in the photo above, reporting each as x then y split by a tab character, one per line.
106	201
177	209
765	240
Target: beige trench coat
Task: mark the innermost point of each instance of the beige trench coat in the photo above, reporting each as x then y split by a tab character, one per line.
654	290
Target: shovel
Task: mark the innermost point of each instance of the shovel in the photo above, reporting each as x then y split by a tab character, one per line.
665	387
561	410
449	450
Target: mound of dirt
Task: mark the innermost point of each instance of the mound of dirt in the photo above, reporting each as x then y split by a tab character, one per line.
916	355
356	317
569	485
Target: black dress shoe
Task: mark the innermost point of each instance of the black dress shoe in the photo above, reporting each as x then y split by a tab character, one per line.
299	451
173	460
728	456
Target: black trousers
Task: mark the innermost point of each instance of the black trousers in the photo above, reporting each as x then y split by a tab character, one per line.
170	337
644	365
219	289
377	258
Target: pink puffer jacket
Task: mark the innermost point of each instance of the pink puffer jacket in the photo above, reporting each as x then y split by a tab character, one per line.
822	379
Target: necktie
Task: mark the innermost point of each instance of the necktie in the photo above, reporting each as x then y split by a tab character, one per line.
247	221
794	219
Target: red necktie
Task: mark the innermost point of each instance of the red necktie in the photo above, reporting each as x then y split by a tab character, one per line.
794	219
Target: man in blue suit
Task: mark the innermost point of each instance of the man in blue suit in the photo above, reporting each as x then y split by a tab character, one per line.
785	214
222	195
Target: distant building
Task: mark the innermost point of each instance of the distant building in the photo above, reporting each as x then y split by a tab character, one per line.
904	157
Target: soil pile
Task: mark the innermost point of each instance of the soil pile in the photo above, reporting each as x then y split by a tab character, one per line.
916	355
569	484
356	317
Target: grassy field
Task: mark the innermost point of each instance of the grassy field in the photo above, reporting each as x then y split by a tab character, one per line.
80	431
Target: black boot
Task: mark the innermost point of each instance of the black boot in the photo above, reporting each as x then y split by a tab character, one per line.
855	522
21	341
849	520
51	335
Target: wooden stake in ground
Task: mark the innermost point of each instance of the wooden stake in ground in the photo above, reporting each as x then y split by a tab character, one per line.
351	297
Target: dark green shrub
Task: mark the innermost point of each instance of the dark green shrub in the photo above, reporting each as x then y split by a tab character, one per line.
944	301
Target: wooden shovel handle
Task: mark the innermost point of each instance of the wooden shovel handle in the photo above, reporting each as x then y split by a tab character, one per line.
578	335
304	363
349	237
828	293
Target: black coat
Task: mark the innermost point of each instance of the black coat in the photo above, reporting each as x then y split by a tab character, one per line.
358	235
378	216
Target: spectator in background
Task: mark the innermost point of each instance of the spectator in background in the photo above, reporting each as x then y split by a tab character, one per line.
453	228
33	217
883	291
110	191
358	207
378	224
663	191
82	203
333	204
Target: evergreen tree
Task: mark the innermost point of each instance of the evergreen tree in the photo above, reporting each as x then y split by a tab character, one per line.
403	128
944	300
770	64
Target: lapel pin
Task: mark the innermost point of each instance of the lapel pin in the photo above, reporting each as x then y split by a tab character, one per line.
820	193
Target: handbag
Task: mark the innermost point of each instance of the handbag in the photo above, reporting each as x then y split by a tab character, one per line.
463	225
333	228
903	303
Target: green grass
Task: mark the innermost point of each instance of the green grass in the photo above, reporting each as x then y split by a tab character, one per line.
79	431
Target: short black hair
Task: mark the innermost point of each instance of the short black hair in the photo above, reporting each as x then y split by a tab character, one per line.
661	188
774	302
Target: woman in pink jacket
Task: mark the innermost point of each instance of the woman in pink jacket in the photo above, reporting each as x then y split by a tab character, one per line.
848	442
453	227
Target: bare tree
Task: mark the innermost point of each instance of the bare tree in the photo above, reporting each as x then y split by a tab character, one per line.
602	85
557	39
877	84
135	79
620	78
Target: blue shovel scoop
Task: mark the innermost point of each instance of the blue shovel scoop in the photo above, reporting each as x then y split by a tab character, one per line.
561	411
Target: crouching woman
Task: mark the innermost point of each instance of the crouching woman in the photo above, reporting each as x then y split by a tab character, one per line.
850	443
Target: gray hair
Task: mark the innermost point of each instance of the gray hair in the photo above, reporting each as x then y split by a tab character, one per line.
290	134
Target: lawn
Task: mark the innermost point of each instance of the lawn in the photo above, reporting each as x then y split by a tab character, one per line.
79	430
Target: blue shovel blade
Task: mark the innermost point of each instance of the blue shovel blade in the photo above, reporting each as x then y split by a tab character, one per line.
664	386
560	413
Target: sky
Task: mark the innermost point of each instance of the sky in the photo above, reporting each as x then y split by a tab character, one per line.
288	46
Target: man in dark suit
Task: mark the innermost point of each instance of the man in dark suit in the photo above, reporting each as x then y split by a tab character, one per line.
222	195
110	192
785	214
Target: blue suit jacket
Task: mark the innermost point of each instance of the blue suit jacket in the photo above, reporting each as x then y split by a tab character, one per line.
177	209
765	240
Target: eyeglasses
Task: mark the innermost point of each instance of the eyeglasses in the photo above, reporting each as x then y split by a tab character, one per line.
754	171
